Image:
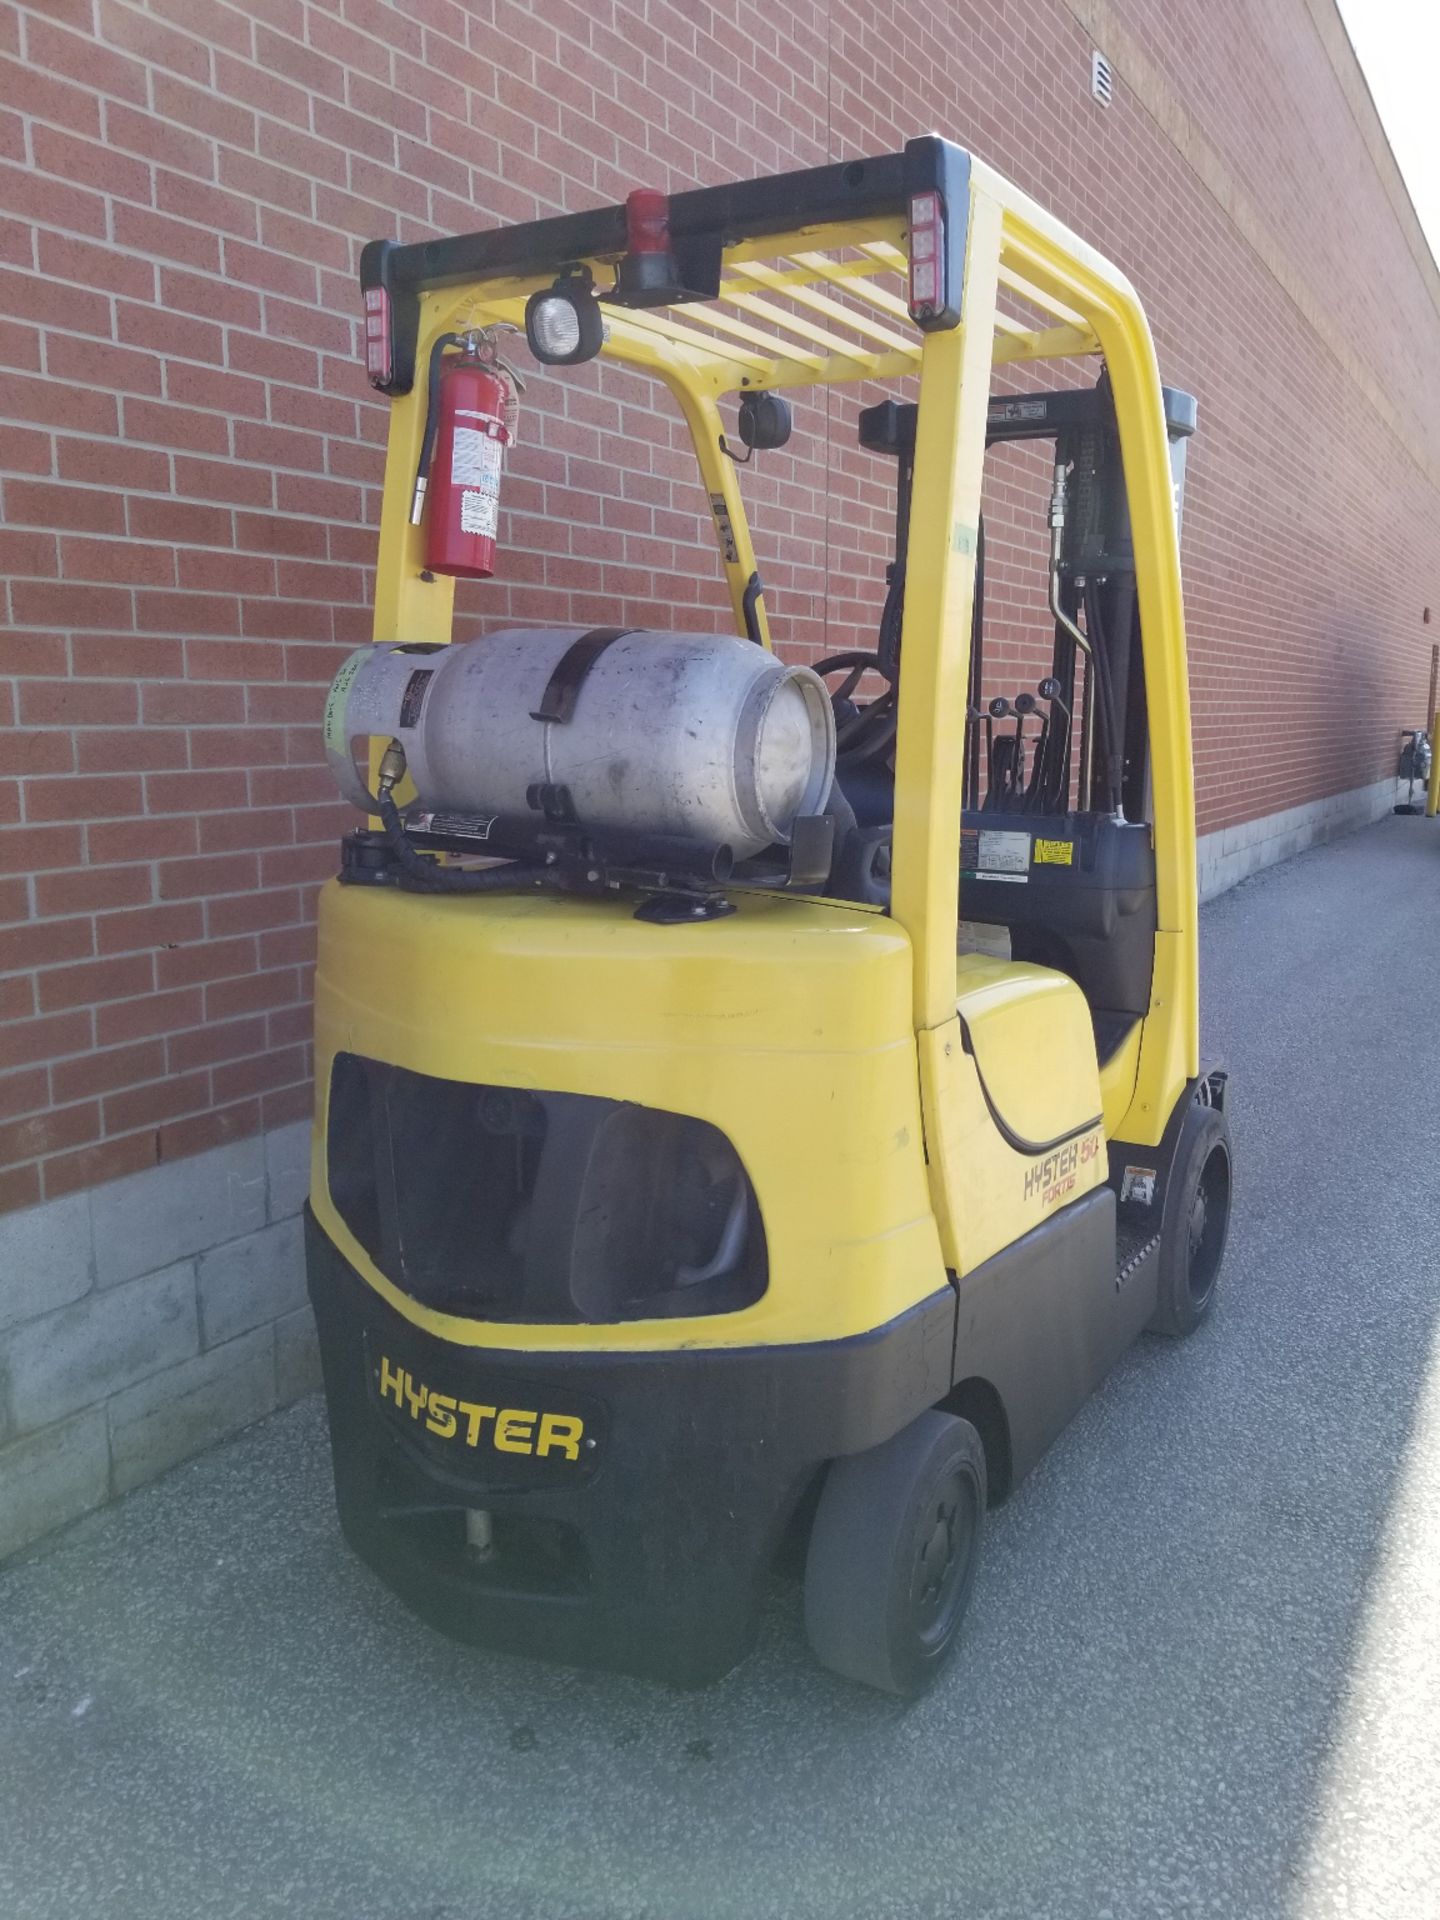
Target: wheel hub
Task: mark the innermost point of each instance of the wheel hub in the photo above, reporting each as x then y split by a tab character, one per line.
937	1555
1205	1234
1199	1215
940	1552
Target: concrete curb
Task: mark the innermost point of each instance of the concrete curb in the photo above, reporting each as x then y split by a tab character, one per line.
144	1320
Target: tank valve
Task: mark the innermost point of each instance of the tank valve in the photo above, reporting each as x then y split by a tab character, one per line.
392	769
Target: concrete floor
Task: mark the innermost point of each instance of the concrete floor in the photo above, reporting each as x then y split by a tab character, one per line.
1201	1674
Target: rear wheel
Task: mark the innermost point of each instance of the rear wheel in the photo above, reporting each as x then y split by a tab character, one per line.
1196	1224
893	1553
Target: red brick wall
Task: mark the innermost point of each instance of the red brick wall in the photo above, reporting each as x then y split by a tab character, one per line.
190	457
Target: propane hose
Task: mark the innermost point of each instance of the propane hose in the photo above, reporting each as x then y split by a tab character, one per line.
429	876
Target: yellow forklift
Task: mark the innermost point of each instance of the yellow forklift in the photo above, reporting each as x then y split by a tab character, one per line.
757	1103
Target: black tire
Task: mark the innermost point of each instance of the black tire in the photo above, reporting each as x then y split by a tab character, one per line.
1196	1224
893	1553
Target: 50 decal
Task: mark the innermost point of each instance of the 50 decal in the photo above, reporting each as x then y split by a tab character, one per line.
1057	1175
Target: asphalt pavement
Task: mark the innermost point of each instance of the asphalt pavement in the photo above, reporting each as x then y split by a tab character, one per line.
1201	1674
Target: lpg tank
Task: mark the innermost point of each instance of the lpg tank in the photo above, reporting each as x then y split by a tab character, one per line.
704	736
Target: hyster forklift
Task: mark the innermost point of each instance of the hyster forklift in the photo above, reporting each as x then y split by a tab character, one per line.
693	1188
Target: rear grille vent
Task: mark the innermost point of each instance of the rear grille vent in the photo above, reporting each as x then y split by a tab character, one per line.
506	1204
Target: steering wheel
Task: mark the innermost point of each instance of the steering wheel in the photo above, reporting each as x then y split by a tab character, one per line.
861	732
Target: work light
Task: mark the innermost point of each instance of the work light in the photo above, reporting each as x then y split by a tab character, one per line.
563	323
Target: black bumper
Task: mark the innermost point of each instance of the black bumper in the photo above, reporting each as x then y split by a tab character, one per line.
639	1535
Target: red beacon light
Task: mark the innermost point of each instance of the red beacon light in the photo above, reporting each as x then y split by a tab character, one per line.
647	221
647	274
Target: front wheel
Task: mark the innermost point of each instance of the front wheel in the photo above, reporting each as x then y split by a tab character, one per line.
1196	1223
893	1552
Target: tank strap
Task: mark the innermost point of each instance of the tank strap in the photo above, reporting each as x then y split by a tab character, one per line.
562	689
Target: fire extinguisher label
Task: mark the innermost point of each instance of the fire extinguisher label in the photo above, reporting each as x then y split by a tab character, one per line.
478	512
475	461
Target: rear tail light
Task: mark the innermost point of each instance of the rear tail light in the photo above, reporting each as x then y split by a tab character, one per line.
377	336
927	242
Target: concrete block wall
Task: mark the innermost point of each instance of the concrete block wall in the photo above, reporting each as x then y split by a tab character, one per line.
144	1319
1232	854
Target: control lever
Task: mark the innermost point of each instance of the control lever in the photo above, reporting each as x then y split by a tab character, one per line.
1051	691
1053	694
973	716
998	709
1025	704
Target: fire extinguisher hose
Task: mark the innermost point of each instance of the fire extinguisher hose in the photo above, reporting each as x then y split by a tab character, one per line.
432	423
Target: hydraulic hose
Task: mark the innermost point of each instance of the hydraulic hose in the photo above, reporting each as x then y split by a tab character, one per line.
1098	706
1110	741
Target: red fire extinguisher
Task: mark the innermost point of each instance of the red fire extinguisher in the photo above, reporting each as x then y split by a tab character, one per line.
469	422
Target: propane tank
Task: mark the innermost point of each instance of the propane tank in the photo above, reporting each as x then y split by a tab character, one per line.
702	736
468	427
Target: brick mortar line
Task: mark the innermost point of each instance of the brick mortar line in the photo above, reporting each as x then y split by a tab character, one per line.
1345	64
155	493
361	33
1176	125
254	22
218	142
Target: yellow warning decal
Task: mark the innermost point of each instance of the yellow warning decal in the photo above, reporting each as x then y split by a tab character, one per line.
1054	853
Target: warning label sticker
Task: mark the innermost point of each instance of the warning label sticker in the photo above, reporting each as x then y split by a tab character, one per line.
1018	409
479	512
1054	853
1138	1184
459	826
475	460
728	549
1003	852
